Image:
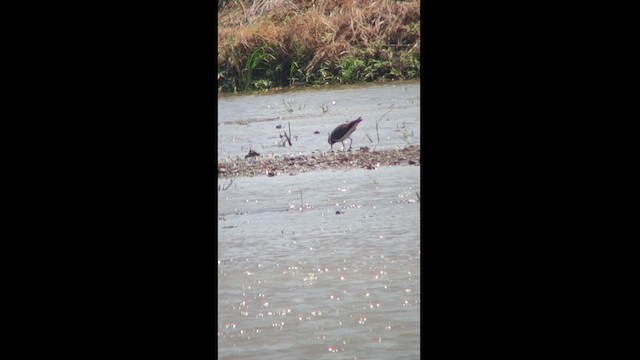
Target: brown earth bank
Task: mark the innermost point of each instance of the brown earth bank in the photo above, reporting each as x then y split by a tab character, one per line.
290	165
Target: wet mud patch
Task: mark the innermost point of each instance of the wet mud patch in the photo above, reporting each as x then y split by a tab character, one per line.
293	164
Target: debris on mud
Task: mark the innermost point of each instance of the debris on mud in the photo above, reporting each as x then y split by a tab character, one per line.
363	158
251	153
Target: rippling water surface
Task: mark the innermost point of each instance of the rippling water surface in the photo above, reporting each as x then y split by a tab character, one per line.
324	264
251	121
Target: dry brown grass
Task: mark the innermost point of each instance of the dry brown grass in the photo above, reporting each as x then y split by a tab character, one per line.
315	32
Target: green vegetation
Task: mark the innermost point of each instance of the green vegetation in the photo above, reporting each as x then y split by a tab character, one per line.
267	44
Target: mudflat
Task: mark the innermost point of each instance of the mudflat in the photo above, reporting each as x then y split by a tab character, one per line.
290	165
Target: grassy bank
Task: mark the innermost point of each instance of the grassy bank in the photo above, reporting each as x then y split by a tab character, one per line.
267	44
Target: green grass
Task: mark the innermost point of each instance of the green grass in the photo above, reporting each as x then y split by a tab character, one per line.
264	45
259	61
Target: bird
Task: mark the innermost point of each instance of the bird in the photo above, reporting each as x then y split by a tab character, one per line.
343	132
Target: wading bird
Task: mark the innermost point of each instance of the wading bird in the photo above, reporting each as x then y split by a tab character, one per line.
343	132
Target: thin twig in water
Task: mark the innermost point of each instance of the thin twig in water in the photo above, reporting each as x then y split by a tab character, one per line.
405	139
371	141
225	187
289	133
377	122
366	135
406	134
301	206
287	138
289	109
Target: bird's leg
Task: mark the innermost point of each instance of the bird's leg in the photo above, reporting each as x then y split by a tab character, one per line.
343	147
350	144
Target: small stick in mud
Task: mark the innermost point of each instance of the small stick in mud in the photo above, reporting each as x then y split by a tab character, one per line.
289	138
301	206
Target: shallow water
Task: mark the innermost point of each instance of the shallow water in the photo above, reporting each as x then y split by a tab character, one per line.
251	120
296	279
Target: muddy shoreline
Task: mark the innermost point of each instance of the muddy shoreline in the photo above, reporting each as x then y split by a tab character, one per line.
291	165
